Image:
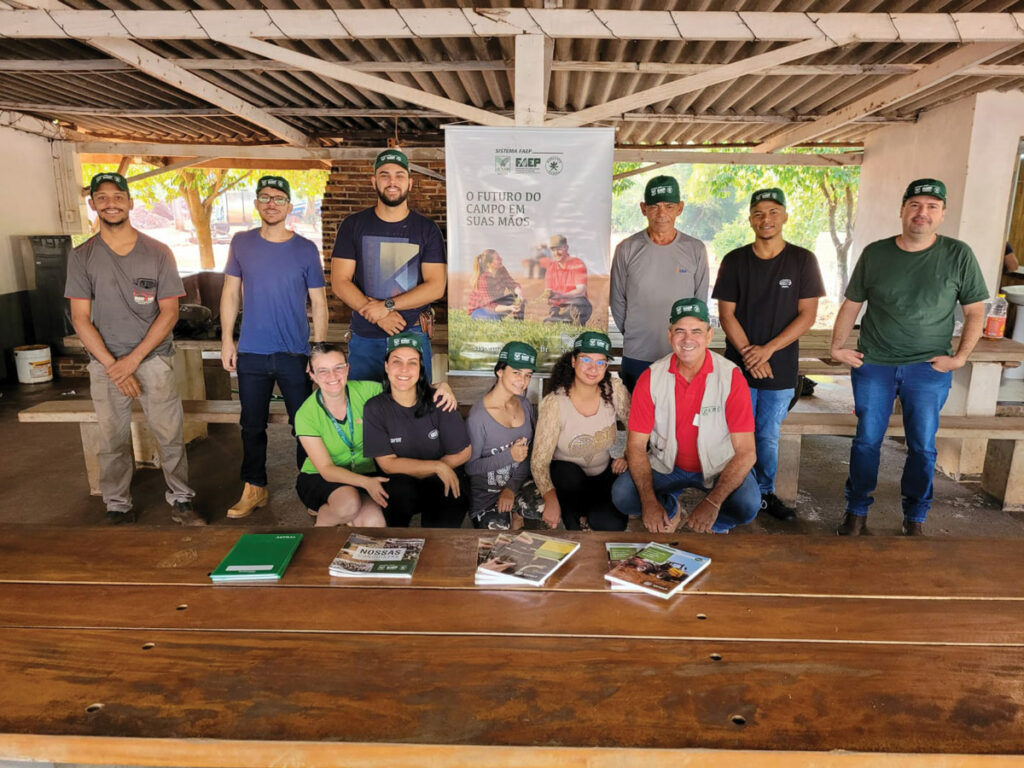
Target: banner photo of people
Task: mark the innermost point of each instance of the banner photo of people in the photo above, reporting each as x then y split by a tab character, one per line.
529	225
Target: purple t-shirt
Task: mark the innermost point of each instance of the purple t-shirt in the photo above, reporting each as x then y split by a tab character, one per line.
388	256
276	278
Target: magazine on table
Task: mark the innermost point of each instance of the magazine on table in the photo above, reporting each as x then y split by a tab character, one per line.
658	569
364	557
525	558
257	557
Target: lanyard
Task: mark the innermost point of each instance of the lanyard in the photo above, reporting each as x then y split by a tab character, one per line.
347	438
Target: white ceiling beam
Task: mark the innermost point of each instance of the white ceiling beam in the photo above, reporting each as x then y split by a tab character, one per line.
52	22
670	90
694	157
532	75
29	124
188	162
937	72
638	171
369	82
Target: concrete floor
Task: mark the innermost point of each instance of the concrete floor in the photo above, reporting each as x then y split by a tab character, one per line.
42	478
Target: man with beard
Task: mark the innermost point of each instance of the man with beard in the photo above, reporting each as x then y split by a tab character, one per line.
388	265
124	288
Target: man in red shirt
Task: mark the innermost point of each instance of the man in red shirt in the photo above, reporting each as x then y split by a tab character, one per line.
693	408
566	281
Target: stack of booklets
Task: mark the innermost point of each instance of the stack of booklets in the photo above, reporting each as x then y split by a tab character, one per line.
656	569
364	557
257	557
521	559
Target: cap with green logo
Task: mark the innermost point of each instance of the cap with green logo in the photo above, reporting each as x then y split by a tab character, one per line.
411	340
274	182
116	179
395	156
519	354
688	308
772	194
930	187
661	189
593	341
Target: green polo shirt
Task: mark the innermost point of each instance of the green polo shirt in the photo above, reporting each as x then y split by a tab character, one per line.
312	420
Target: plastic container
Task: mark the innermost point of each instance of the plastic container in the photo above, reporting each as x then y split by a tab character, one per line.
33	364
995	318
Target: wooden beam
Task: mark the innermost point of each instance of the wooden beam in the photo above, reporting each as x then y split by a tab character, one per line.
697	157
937	72
637	171
188	162
670	90
369	82
532	74
28	124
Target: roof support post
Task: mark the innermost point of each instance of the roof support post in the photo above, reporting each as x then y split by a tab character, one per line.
532	76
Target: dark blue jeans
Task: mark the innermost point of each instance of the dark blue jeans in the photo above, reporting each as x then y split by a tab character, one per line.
366	356
631	370
257	375
922	392
770	408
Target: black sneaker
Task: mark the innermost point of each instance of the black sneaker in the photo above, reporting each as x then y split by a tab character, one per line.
912	529
118	516
776	508
184	513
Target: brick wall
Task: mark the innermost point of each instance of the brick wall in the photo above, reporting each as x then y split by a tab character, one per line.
71	366
348	191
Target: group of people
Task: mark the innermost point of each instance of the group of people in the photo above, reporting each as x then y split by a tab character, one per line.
377	443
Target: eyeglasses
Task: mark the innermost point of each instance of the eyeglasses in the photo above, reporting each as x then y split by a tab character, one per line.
587	360
340	368
267	200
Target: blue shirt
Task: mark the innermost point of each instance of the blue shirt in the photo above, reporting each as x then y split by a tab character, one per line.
388	255
276	278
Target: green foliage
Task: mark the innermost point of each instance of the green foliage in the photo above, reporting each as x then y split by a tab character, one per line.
473	345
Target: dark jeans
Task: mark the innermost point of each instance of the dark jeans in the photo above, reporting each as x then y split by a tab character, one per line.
583	496
409	495
631	370
257	375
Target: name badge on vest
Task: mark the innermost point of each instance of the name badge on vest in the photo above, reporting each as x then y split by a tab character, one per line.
696	419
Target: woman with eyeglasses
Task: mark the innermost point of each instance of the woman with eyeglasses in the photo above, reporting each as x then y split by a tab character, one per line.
572	463
338	483
420	447
501	430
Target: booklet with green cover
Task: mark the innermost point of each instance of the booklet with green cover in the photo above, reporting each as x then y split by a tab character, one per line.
257	557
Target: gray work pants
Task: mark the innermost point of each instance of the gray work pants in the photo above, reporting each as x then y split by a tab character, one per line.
162	406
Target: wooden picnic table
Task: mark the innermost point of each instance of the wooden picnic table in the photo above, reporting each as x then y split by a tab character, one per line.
116	649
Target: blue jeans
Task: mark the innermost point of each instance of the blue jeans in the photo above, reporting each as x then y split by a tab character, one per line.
631	370
366	356
922	392
741	506
770	408
257	375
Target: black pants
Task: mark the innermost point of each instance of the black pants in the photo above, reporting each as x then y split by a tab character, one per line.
408	496
583	496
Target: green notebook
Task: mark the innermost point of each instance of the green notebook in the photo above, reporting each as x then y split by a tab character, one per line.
257	557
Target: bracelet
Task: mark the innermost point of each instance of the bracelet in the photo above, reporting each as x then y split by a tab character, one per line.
709	501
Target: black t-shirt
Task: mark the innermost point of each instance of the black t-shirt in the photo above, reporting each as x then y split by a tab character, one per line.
390	428
767	293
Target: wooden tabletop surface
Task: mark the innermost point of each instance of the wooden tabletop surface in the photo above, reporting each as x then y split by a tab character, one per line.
113	642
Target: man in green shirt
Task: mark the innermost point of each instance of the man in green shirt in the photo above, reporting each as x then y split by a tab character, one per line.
911	284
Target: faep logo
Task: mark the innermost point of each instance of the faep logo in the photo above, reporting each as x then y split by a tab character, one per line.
503	164
785	282
432	434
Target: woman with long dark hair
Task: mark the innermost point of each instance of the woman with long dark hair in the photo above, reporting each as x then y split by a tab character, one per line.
572	463
420	447
495	294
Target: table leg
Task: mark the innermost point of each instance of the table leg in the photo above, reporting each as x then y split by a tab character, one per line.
188	370
975	392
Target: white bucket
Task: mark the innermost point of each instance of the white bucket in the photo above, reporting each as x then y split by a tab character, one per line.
33	364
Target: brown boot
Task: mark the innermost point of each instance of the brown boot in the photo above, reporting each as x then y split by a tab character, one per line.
852	525
253	497
912	529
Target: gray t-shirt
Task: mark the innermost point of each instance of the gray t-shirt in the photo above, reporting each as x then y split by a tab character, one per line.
124	290
490	467
646	281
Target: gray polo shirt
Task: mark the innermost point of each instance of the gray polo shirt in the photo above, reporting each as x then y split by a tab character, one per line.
646	280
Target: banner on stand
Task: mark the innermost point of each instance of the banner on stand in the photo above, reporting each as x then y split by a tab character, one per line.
529	224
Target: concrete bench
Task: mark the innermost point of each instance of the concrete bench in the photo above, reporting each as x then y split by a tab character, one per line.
81	412
1003	475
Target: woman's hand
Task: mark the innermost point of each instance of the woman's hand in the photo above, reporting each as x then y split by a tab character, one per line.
375	487
444	397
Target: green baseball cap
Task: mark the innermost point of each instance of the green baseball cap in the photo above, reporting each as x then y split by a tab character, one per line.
593	341
930	187
395	156
116	179
412	340
688	308
519	354
274	182
661	189
773	194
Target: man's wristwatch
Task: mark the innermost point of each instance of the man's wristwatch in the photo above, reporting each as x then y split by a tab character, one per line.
389	304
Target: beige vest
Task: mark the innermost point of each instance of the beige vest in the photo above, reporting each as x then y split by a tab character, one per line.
714	446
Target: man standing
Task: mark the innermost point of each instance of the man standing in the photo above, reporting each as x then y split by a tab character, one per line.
650	270
124	289
911	284
566	282
767	299
692	407
276	270
388	265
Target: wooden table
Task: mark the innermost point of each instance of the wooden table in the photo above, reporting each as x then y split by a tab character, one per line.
115	649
